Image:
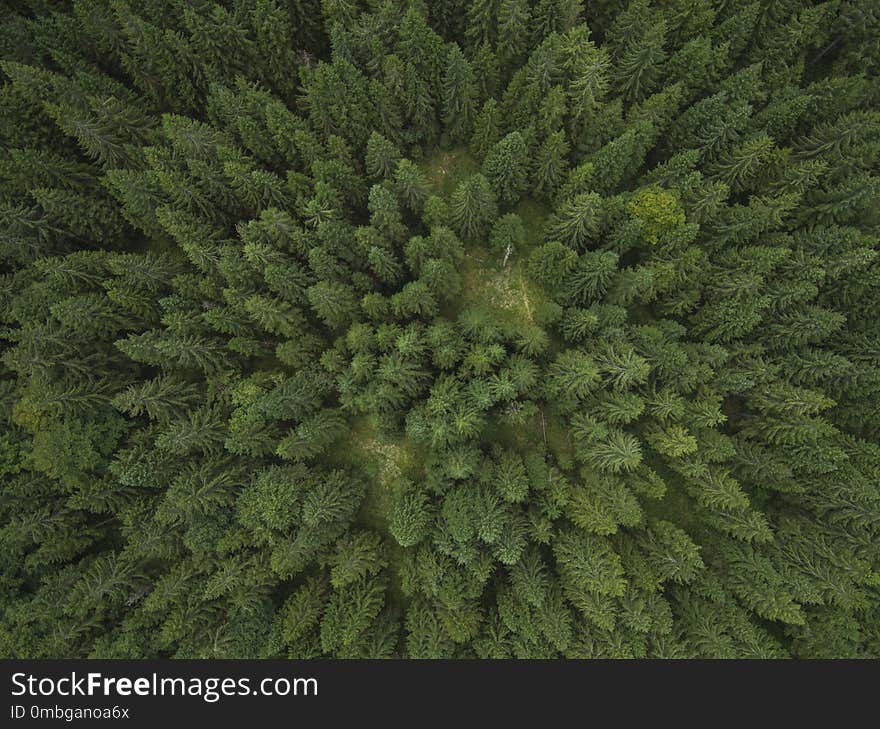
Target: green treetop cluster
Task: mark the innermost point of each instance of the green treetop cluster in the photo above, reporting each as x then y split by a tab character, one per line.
485	328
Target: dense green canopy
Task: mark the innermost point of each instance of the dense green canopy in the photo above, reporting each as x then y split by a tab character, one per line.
485	328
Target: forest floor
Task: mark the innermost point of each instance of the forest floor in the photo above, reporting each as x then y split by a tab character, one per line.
446	168
383	461
503	289
487	281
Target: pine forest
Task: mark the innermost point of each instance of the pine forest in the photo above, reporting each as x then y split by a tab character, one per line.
439	329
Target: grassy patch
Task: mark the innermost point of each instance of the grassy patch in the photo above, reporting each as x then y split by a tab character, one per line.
383	462
504	286
503	289
446	168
